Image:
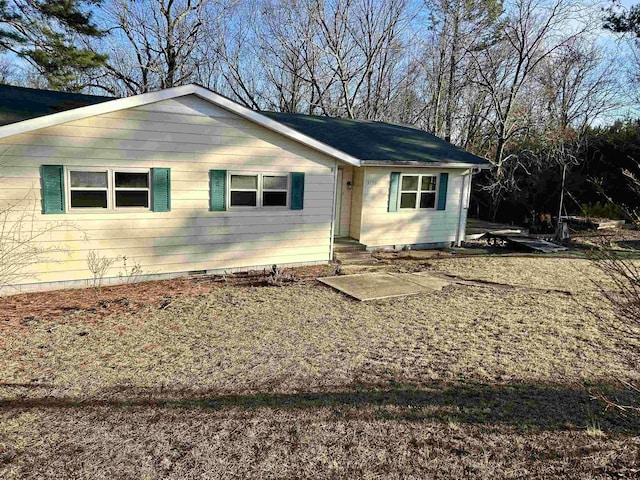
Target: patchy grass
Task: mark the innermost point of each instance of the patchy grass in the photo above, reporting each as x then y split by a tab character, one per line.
301	381
574	275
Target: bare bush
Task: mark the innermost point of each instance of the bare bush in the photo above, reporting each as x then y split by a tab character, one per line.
130	273
278	277
21	238
98	266
625	297
623	273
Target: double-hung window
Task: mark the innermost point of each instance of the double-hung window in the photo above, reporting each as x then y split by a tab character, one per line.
108	189
258	190
418	191
274	190
131	189
244	190
88	189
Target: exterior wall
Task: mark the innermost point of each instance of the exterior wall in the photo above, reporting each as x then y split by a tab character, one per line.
345	203
355	221
381	228
190	136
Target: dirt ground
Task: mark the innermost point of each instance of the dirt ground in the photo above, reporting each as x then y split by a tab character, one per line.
16	309
202	378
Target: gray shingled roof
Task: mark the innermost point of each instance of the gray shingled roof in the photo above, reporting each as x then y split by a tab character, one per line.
19	103
377	142
371	142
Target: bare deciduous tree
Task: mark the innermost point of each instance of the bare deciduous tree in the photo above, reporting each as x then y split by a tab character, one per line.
531	32
459	27
153	44
577	85
339	57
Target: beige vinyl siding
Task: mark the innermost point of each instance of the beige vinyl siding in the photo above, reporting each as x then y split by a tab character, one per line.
190	136
379	227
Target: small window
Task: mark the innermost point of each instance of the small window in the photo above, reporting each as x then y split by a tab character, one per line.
418	191
428	192
274	190
244	190
131	189
409	191
88	189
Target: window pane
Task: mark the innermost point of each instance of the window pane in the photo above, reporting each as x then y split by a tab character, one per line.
408	200
427	200
428	183
274	183
132	180
88	179
128	198
410	183
88	199
274	199
244	182
243	199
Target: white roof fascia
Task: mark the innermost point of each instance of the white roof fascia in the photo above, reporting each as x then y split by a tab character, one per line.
109	106
415	164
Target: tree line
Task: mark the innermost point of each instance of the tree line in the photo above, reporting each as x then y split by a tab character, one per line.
524	83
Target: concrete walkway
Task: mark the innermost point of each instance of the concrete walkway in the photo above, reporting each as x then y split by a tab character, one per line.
374	286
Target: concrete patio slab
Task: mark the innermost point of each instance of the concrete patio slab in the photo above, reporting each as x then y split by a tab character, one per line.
374	286
424	279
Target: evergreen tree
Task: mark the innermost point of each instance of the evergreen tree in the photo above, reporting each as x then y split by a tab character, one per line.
623	21
45	33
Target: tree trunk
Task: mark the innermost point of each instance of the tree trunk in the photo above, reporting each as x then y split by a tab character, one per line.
452	77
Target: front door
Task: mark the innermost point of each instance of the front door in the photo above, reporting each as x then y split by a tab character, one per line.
338	212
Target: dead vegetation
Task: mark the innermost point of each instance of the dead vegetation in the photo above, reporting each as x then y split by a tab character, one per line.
192	378
49	305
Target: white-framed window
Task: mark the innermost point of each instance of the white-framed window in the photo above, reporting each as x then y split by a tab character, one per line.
131	189
88	188
243	190
418	191
258	190
275	190
105	189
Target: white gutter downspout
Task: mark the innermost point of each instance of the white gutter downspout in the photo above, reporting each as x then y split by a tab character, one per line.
464	191
333	209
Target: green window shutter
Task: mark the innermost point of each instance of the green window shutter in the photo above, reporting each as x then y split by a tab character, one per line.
394	191
442	191
218	190
161	178
297	191
52	189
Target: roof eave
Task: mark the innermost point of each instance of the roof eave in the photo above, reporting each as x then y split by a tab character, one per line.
418	164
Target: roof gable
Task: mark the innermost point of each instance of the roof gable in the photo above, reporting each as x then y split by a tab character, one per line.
166	94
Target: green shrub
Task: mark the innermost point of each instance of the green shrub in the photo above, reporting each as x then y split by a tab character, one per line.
599	210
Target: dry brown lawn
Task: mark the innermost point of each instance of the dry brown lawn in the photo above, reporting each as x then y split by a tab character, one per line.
239	381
